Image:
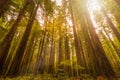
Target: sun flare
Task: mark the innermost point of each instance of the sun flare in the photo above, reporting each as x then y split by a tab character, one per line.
93	5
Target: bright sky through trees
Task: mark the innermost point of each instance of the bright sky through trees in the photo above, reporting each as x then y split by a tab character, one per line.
58	2
93	5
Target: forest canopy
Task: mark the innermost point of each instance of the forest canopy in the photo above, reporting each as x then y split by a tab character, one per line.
60	39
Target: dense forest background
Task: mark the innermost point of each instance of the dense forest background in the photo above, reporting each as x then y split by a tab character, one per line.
59	39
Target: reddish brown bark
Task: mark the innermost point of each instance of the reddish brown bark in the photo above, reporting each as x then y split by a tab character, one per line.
5	45
15	66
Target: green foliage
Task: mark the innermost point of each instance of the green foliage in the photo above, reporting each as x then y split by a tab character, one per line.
48	6
61	74
50	77
17	3
66	62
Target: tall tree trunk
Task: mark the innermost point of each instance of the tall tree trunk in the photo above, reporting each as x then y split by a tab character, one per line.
111	51
5	45
60	45
113	27
110	22
67	54
3	6
118	2
52	53
92	55
106	68
9	56
110	48
76	41
41	46
27	55
117	51
42	63
28	71
15	66
37	63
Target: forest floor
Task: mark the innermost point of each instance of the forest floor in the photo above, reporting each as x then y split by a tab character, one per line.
49	77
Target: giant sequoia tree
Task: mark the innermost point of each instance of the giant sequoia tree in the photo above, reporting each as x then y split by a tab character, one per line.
62	38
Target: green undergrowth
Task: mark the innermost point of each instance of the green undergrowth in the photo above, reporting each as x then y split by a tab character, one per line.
52	77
